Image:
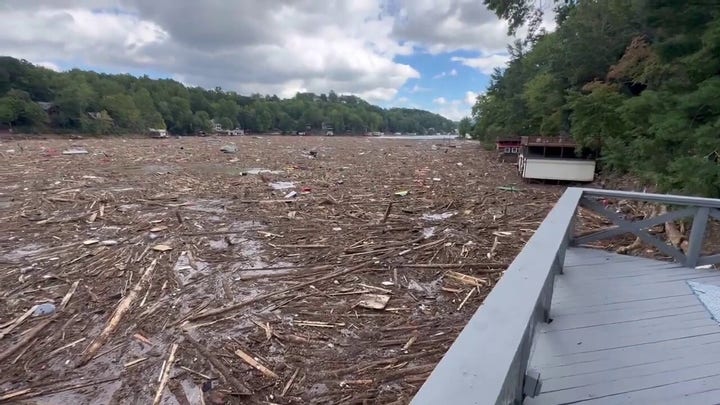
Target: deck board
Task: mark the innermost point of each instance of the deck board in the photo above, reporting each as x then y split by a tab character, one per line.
627	330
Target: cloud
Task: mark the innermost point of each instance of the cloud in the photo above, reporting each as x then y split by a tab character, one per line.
485	64
458	108
247	46
279	47
452	72
448	25
49	65
418	89
51	33
453	109
471	97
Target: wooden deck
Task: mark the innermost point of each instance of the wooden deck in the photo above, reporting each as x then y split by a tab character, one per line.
627	330
568	325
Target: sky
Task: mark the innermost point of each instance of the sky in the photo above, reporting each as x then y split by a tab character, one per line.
430	54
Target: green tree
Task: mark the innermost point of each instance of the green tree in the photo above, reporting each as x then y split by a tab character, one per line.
637	79
121	108
202	122
73	101
226	123
8	111
103	103
465	126
544	98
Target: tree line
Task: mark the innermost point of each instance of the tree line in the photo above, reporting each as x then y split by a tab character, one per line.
638	79
34	99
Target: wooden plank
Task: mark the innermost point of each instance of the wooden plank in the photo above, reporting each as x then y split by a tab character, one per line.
703	357
610	273
617	294
701	396
687	392
593	258
632	359
564	344
624	271
627	385
626	319
579	282
548	360
624	268
628	327
579	256
634	305
570	292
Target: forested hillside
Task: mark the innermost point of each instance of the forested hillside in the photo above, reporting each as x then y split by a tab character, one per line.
638	78
36	99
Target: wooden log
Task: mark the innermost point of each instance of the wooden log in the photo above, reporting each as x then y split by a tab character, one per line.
117	316
256	364
165	374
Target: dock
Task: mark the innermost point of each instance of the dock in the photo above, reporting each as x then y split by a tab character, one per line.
569	324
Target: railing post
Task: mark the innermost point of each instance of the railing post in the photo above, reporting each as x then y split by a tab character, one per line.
697	236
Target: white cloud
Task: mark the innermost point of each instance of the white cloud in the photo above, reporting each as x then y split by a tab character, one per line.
279	47
418	89
470	97
49	65
485	64
440	75
454	110
448	25
247	46
51	33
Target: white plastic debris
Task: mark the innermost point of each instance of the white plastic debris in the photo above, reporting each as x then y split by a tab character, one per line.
438	217
257	170
230	148
429	232
282	185
44	309
75	151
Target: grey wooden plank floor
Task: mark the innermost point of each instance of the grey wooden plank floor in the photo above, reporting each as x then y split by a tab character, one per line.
627	330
